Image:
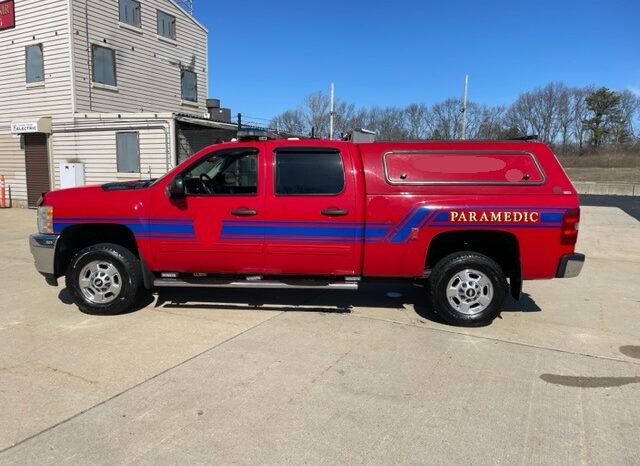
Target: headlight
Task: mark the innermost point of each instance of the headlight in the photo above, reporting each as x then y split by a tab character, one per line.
45	219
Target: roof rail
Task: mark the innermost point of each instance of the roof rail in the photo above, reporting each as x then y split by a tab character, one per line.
530	137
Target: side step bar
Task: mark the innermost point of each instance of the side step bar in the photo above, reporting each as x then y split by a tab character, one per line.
266	284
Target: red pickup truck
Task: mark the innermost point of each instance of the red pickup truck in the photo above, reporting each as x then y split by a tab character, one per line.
472	219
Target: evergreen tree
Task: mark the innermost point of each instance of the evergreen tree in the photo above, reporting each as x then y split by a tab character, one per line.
607	120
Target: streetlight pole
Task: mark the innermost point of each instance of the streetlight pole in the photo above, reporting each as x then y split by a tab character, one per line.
464	107
331	113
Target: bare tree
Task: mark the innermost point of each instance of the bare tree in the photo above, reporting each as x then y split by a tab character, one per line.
417	121
447	119
291	121
555	112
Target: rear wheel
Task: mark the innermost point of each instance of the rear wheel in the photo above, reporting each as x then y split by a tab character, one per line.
104	279
467	289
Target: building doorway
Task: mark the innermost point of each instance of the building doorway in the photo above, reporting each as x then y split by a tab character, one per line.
36	156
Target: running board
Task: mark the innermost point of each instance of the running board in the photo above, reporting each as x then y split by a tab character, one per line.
266	284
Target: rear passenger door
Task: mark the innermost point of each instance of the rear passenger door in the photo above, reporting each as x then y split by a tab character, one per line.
313	225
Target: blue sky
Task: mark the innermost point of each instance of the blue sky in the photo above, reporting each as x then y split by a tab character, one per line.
265	57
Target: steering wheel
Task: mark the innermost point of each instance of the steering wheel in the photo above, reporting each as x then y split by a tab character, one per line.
205	181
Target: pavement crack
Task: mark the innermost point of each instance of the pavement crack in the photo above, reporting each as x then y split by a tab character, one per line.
71	374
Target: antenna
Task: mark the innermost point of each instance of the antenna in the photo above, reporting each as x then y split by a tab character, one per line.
464	107
186	5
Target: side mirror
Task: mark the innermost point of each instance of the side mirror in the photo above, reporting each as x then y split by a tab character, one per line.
176	188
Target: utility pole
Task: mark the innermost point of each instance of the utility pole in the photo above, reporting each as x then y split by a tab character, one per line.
331	113
464	107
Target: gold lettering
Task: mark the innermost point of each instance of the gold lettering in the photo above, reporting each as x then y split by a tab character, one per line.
483	217
518	216
507	216
463	217
453	216
472	217
534	217
496	216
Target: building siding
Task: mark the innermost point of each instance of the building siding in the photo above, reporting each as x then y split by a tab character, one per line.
95	146
147	68
148	88
37	21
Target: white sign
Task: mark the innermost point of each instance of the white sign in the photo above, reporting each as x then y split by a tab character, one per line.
24	127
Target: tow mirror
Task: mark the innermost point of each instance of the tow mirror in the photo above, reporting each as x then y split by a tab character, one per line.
176	188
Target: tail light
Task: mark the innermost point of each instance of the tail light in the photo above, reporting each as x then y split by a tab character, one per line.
570	226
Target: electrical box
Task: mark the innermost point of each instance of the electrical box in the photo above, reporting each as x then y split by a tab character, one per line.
71	175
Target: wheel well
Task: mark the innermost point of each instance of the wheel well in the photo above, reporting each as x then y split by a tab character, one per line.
78	237
500	246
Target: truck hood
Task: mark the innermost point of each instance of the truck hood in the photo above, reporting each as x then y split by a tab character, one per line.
116	196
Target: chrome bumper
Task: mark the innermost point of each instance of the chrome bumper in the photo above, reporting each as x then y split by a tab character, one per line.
570	266
43	249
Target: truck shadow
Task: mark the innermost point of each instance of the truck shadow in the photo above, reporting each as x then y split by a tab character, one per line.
391	295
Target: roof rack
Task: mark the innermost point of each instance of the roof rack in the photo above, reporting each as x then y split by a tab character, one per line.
530	137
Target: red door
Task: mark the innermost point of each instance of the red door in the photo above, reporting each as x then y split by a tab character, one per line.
312	224
196	233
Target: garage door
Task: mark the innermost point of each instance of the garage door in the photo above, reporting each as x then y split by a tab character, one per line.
37	166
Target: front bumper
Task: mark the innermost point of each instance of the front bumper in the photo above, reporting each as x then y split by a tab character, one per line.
570	266
43	249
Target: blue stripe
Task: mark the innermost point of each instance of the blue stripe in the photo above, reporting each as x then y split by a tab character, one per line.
555	217
142	228
413	222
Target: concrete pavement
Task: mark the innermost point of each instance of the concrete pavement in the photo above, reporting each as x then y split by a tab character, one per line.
310	377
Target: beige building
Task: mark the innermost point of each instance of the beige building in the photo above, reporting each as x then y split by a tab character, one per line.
106	89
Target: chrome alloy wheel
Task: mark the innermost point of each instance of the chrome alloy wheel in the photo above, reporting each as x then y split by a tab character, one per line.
469	292
100	282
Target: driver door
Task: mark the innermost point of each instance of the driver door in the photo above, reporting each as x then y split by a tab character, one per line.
224	189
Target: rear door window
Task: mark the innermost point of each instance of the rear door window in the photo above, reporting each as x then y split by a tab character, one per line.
308	172
439	167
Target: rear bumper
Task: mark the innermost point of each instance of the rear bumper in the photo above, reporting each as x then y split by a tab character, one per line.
570	266
43	249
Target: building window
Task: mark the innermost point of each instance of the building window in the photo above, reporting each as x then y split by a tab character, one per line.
128	152
189	86
166	25
295	166
104	65
130	12
34	63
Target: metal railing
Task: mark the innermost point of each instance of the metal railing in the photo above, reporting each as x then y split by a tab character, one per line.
186	5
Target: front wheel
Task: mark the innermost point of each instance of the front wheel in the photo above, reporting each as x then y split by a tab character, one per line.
467	289
104	279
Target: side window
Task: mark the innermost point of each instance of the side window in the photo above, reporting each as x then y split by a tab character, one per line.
226	173
304	172
128	152
130	12
189	82
166	25
464	167
34	63
104	65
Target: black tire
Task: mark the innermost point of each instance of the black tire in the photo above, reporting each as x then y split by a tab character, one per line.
469	292
129	278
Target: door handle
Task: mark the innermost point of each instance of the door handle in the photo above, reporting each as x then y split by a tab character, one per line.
334	212
244	212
